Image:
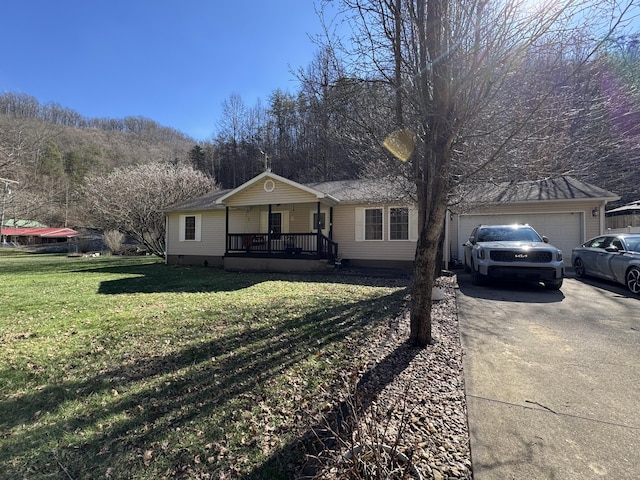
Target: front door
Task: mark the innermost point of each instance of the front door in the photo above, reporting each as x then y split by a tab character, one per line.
323	221
279	223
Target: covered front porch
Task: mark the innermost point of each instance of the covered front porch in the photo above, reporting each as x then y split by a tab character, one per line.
269	223
279	234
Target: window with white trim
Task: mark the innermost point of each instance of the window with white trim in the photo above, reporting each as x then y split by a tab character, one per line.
398	223
373	223
190	227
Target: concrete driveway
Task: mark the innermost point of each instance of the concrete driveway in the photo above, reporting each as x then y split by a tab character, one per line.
552	380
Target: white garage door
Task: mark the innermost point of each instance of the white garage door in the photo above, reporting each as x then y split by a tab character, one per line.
563	229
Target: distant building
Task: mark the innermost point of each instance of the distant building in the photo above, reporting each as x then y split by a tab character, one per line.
36	235
625	216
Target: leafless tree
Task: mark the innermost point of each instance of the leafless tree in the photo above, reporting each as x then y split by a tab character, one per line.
450	69
113	240
132	199
232	130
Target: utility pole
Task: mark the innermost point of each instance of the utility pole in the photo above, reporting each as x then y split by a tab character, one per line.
5	192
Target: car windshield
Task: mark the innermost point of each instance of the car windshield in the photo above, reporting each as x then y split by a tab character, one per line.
508	234
633	243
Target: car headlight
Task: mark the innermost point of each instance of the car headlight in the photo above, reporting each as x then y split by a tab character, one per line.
480	253
559	256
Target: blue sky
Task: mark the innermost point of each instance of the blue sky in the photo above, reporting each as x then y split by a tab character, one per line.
173	62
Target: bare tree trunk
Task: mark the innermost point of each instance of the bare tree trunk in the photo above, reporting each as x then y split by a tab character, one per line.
433	161
432	208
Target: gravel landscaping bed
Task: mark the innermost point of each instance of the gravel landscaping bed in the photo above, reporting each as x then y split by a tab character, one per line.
409	398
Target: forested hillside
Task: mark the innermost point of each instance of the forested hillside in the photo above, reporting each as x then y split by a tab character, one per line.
50	150
578	119
588	128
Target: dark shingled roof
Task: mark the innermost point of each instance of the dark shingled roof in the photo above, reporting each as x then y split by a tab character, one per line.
204	202
550	189
345	191
628	209
365	191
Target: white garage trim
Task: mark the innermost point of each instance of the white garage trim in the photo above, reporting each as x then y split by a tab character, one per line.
564	229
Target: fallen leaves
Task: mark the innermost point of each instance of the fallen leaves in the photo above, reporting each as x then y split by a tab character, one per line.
421	405
147	457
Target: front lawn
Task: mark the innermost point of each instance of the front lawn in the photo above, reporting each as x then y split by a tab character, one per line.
123	367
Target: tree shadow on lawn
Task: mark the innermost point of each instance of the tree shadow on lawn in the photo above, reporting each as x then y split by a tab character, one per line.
162	395
323	438
158	278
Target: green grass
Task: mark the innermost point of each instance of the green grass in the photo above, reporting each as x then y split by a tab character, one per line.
128	368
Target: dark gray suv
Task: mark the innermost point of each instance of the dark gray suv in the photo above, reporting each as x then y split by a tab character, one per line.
512	252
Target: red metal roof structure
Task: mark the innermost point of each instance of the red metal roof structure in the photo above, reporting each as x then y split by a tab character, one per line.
39	232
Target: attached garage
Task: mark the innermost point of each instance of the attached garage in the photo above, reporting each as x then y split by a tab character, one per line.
564	209
565	230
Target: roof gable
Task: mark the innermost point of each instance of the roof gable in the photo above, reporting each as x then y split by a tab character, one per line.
268	175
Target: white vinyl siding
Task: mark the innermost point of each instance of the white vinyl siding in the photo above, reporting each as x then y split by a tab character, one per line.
211	230
353	246
282	193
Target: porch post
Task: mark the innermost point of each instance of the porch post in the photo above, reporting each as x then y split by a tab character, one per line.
318	232
226	230
330	223
269	230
